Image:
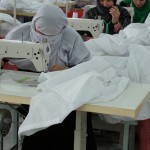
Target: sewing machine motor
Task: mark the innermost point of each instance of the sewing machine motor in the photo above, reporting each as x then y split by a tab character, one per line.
5	122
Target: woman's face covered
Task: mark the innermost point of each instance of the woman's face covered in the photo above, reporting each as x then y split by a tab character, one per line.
48	25
49	21
104	6
106	3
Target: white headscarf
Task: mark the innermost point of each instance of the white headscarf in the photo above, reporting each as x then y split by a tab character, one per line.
51	21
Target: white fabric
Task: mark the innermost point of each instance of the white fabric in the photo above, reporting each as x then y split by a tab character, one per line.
117	45
114	44
134	43
68	90
137	63
138	72
22	5
8	18
147	21
26	5
7	24
65	75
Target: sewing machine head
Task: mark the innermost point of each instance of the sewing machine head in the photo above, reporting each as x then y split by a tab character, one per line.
94	26
38	53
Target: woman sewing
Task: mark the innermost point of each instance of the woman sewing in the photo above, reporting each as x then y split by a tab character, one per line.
68	50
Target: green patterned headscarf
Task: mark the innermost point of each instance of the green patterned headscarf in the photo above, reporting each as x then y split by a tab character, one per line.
140	14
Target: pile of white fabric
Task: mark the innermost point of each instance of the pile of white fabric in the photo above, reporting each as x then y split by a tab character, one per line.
116	60
64	91
26	5
129	54
21	5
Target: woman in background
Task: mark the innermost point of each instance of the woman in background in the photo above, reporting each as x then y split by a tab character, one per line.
141	9
114	16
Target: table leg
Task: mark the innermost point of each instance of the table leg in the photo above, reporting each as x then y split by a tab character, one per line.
15	128
80	131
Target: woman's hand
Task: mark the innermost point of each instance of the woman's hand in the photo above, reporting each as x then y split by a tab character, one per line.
114	11
58	68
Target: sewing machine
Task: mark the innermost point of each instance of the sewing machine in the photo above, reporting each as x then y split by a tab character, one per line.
38	53
95	27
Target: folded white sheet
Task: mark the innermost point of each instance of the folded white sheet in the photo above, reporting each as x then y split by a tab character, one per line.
70	89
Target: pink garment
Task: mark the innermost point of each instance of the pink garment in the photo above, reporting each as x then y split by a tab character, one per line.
117	27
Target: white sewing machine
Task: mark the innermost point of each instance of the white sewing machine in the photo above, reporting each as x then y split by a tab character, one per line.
95	27
38	53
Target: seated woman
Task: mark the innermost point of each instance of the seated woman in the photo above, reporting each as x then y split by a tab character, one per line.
115	17
68	50
141	9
